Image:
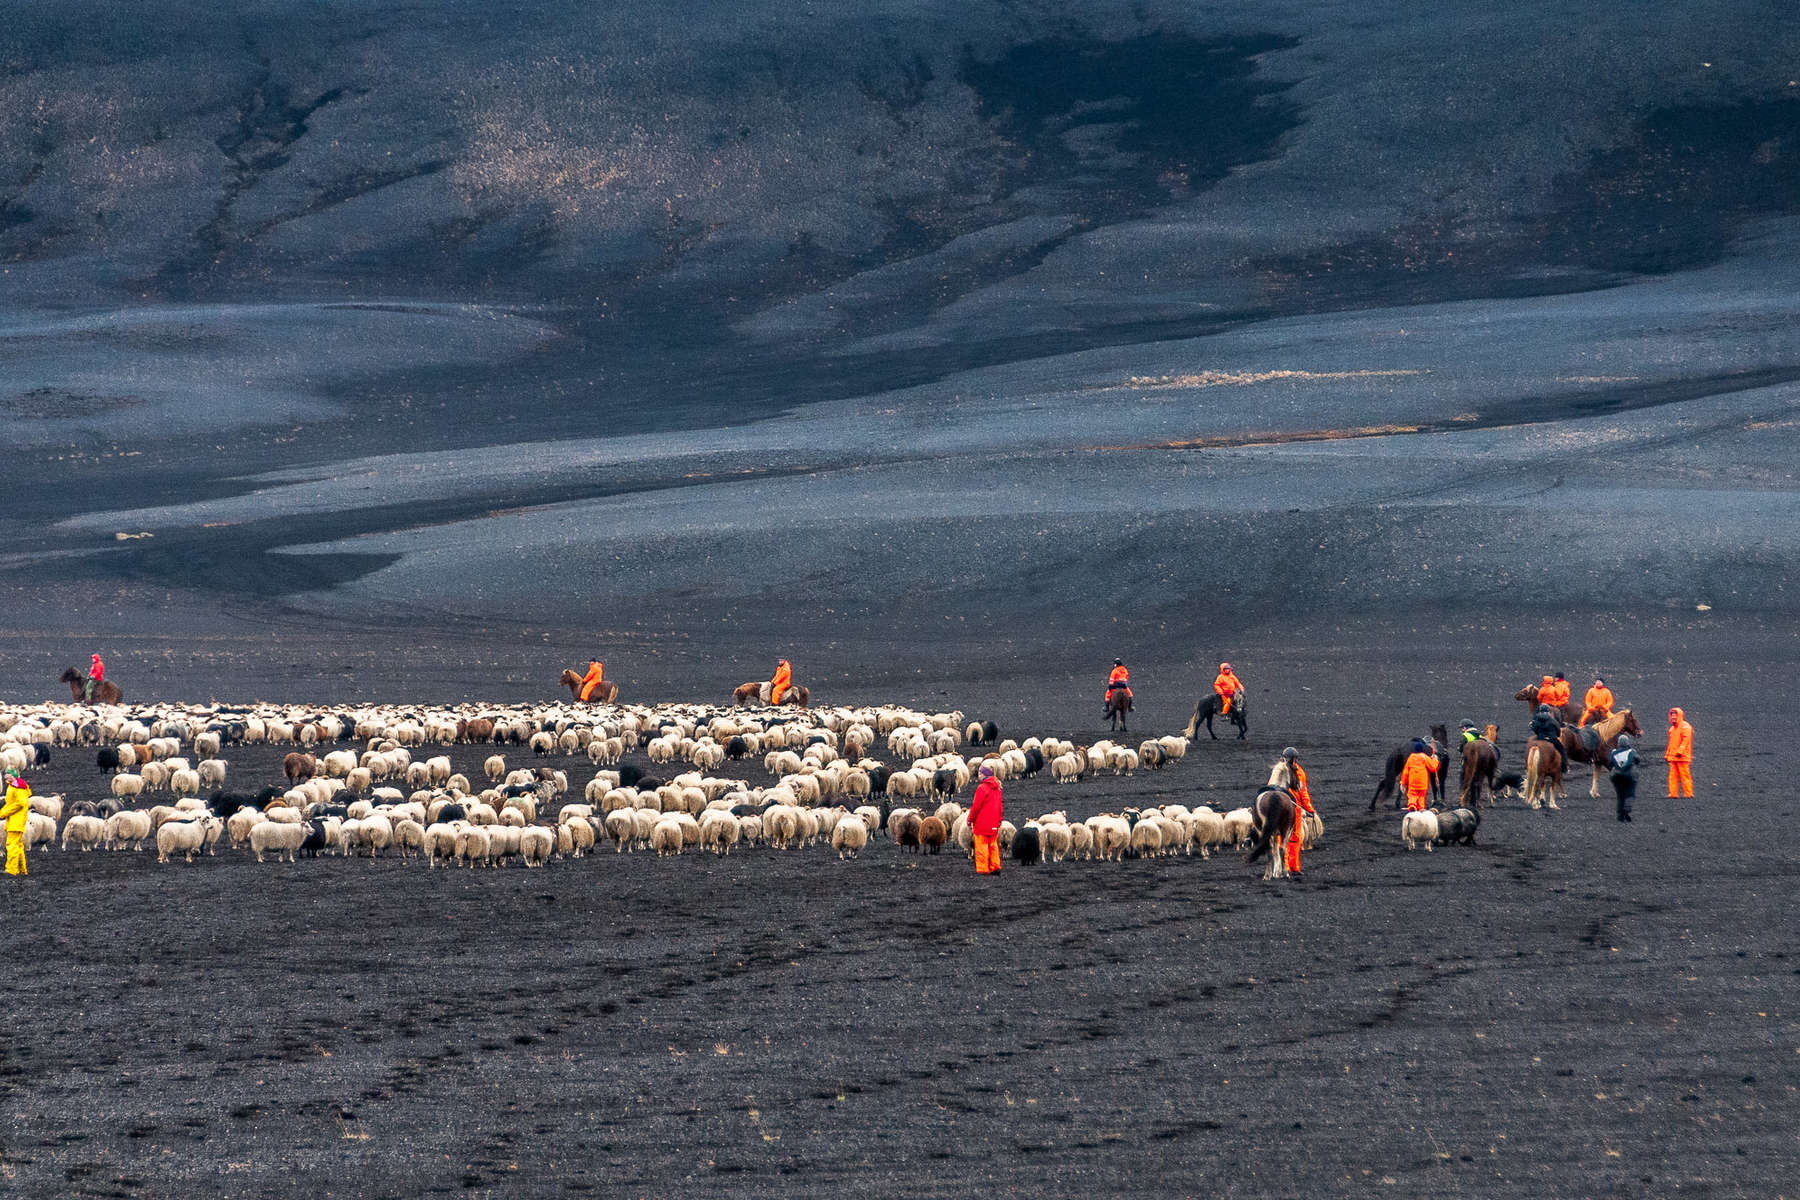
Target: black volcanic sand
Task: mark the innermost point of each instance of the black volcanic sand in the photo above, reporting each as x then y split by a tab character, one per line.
1571	1007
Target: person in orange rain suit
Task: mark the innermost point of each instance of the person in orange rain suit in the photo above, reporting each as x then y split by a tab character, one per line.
1227	686
591	680
1559	691
1416	775
984	822
1680	755
1546	693
1302	805
1597	704
1120	678
16	812
784	679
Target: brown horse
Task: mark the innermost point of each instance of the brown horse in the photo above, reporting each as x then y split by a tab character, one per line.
1118	704
1605	737
1543	773
606	693
105	692
1480	760
758	693
1569	713
1272	822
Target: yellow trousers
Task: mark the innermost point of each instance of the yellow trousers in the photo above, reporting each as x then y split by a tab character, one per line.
987	855
1681	781
15	854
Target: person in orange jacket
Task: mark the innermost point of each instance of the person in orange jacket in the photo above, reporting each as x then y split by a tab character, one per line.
1680	756
984	822
784	679
1228	686
1302	805
1416	775
16	812
1120	678
1597	704
591	680
1560	691
1546	691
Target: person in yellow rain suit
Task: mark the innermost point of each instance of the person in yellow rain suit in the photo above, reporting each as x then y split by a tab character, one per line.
16	812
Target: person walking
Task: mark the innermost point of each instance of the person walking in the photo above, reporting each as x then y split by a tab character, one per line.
1416	775
1302	805
16	812
1623	761
984	822
1680	756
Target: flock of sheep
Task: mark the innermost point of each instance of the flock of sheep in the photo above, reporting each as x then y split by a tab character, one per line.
827	786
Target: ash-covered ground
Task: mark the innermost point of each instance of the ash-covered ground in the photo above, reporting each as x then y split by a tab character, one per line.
358	351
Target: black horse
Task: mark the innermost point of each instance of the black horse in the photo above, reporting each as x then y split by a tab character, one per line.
1208	708
1396	759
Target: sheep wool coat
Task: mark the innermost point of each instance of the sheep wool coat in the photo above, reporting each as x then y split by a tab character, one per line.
984	809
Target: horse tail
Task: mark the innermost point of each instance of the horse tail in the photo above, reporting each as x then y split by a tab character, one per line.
1193	725
1262	831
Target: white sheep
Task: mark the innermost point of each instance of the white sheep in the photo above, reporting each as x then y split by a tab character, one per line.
1238	824
126	786
183	837
1420	826
84	831
719	831
473	845
128	826
535	845
277	838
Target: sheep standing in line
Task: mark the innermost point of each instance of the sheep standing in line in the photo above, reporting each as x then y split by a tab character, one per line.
536	845
277	838
128	826
1417	827
86	831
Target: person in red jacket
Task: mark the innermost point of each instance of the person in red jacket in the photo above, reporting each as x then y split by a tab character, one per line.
96	672
1680	755
984	822
1302	805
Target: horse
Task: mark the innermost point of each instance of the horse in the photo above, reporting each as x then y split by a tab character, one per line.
1118	704
1207	707
1480	760
105	692
606	693
1396	760
1272	822
1543	772
758	693
1593	743
1569	713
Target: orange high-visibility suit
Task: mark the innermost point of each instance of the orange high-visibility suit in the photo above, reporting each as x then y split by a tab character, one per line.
784	679
1559	693
1597	704
1547	691
1119	677
984	825
591	680
1304	806
17	812
1415	777
1680	755
1227	686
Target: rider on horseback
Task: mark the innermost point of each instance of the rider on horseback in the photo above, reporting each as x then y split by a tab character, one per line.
96	673
1302	805
591	681
1545	725
784	679
1228	686
1120	678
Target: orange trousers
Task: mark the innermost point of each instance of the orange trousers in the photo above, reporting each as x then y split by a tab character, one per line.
1681	781
987	855
15	854
1293	842
1417	801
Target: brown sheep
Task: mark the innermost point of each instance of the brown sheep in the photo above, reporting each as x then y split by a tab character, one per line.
932	835
906	830
299	767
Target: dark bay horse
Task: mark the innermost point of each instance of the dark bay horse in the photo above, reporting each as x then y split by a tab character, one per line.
1272	822
105	692
1396	760
1118	705
1208	707
1481	759
1568	713
606	693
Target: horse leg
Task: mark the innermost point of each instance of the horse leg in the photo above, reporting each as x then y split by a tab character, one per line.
1594	788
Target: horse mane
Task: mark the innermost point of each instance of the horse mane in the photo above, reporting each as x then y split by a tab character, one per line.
1280	776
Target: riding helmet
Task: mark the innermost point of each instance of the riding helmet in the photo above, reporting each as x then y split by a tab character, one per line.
1418	745
1290	754
1467	725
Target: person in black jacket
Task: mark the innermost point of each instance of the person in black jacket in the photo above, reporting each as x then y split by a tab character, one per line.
1623	762
1546	726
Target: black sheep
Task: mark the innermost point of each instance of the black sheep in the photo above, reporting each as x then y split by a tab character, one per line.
943	782
315	839
1034	761
262	798
630	775
451	812
1027	849
878	779
990	732
735	749
40	755
223	804
107	759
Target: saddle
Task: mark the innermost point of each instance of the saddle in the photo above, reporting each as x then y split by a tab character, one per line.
1590	739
